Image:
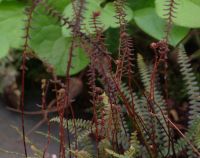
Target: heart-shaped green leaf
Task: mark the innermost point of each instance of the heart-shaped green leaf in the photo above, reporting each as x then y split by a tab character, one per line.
153	25
51	47
11	25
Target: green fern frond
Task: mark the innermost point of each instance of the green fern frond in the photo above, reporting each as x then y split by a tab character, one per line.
83	127
134	141
197	133
87	144
83	140
140	105
131	152
191	134
80	124
144	72
114	121
104	144
159	106
81	136
123	136
81	154
128	154
114	154
191	84
197	140
124	88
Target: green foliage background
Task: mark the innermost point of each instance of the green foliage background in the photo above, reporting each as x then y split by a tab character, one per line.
51	42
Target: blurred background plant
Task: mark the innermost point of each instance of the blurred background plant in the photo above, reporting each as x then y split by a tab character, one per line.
145	19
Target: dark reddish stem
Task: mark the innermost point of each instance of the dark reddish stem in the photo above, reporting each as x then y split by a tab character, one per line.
22	100
24	55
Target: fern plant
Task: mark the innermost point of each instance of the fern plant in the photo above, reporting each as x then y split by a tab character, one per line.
106	125
124	124
185	72
110	120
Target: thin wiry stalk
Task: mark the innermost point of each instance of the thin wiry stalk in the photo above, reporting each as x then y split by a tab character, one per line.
187	140
29	13
60	93
44	88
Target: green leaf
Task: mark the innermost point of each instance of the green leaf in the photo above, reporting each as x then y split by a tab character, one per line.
150	23
59	5
6	0
197	2
4	45
106	18
11	25
140	4
112	41
51	47
187	12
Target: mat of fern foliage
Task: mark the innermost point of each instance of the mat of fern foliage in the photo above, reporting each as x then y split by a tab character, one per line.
128	96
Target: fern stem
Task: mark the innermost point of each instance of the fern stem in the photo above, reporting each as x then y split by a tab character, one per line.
24	56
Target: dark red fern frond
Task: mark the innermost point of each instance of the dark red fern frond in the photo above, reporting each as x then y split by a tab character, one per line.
51	11
170	8
125	55
160	51
101	64
79	8
97	27
161	48
94	91
96	100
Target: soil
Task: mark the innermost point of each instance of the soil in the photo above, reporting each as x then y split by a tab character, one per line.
10	139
